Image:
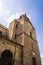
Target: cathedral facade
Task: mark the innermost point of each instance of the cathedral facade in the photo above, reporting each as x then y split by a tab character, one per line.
18	43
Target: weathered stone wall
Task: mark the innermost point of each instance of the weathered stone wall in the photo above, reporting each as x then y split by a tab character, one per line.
3	30
30	47
14	48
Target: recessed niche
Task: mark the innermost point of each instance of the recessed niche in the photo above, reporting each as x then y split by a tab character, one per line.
3	43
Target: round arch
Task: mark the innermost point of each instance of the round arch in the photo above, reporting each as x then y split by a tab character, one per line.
7	57
7	53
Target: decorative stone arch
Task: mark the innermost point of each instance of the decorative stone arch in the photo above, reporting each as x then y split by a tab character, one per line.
7	53
7	57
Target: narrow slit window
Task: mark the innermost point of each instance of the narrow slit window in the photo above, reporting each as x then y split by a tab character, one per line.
0	33
30	34
15	36
16	26
34	60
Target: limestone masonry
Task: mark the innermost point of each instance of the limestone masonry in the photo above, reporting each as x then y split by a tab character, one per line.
18	43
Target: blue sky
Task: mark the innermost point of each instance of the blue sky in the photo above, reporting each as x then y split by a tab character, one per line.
10	9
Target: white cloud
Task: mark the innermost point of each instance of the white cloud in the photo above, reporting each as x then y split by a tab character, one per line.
29	16
12	17
42	58
3	11
41	55
42	63
9	19
15	16
7	15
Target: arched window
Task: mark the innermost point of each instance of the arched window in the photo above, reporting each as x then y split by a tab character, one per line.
7	57
17	25
30	34
6	54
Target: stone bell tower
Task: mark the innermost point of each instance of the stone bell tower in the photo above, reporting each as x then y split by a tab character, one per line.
18	43
22	31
